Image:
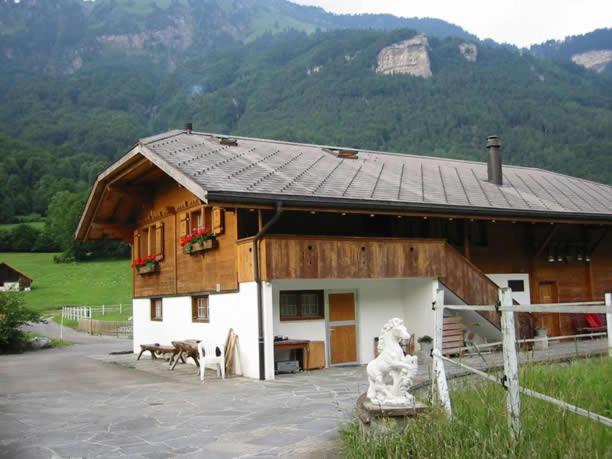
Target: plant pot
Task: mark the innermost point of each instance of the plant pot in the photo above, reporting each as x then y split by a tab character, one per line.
148	269
192	249
541	339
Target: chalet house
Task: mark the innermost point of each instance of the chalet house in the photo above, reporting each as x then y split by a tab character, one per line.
324	243
12	280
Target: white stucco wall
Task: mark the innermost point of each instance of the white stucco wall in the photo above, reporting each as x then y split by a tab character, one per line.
229	310
378	300
502	281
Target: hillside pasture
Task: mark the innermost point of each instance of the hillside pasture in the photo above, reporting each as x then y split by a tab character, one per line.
60	284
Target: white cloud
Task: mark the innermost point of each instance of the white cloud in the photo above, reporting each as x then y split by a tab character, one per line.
520	22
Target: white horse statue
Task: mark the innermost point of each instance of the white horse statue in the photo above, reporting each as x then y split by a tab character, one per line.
391	373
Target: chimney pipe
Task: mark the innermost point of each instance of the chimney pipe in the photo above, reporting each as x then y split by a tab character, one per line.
495	160
188	127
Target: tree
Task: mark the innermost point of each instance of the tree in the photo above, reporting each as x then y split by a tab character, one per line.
63	217
13	314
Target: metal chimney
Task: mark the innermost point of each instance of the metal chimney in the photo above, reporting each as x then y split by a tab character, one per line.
188	127
495	160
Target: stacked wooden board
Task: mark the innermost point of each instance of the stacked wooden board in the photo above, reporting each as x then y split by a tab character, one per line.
452	334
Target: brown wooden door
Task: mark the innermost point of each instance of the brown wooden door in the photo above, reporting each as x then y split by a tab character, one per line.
342	328
548	293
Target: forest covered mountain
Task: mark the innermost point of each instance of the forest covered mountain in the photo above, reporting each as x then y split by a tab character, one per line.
81	81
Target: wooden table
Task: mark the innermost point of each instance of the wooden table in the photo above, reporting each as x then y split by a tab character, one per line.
186	348
157	350
294	345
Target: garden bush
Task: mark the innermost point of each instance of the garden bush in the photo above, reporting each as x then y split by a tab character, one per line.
13	314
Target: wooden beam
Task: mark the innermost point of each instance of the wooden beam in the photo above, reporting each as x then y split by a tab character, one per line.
133	192
594	246
546	241
466	239
445	215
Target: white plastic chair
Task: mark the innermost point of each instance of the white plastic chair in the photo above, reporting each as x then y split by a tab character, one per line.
208	356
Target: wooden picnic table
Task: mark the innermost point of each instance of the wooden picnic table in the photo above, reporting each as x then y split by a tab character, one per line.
185	349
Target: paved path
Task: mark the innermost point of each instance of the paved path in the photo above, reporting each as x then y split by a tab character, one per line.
82	402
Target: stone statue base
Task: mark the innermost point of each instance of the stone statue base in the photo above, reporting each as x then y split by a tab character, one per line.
381	419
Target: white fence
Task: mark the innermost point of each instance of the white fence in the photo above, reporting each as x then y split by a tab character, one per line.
104	327
510	381
87	312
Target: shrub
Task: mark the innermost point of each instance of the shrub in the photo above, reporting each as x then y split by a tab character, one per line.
13	314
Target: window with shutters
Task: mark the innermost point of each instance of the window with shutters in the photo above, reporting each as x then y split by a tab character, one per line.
199	308
150	241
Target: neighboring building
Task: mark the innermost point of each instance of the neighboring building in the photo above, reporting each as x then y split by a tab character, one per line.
12	280
324	243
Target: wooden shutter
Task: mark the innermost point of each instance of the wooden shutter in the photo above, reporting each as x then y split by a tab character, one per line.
159	239
136	245
217	220
183	224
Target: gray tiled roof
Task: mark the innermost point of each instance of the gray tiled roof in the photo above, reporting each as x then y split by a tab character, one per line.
266	168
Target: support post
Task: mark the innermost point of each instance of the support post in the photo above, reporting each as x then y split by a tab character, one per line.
511	376
62	326
102	309
609	323
438	377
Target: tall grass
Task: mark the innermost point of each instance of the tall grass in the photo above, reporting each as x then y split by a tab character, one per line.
480	427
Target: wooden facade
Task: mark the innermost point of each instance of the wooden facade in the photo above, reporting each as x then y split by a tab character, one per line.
152	211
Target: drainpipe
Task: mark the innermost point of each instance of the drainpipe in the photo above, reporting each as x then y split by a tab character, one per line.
262	232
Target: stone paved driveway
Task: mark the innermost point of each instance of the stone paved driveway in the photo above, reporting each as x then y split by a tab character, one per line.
83	402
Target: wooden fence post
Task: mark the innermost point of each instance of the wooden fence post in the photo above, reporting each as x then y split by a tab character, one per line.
438	377
102	309
609	322
511	376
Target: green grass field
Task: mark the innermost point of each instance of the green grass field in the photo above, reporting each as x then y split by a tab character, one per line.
9	226
479	427
61	284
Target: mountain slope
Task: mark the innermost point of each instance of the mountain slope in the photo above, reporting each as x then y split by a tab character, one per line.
592	50
324	89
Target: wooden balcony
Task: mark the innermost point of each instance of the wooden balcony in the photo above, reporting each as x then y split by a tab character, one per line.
320	257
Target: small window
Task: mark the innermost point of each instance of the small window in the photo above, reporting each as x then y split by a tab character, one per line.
301	305
199	309
156	309
516	285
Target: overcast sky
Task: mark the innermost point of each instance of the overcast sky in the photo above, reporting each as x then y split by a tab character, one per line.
520	22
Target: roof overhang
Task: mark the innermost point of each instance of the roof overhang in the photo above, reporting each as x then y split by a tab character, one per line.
137	156
406	208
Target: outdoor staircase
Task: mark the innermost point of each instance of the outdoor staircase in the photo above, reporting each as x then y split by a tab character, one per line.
465	283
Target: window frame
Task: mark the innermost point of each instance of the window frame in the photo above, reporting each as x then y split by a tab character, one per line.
195	318
300	314
153	311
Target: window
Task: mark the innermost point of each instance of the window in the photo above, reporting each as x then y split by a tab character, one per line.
156	309
150	241
199	309
516	285
301	305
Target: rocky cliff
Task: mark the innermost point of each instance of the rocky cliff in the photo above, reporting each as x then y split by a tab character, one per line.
596	60
408	57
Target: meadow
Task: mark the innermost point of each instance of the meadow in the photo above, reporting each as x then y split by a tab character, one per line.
63	284
479	427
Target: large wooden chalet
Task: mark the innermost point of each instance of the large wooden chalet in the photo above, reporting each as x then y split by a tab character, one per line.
325	244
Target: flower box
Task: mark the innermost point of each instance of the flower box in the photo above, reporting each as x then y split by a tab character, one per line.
199	247
199	240
148	269
147	265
